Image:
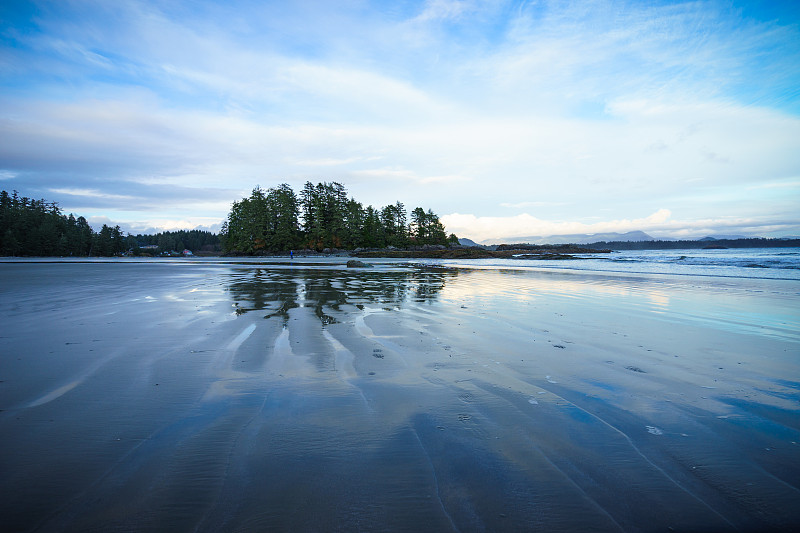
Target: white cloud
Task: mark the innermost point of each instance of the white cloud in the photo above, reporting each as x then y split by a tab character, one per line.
520	205
332	162
409	175
482	228
566	166
442	10
90	193
658	223
792	183
451	179
135	227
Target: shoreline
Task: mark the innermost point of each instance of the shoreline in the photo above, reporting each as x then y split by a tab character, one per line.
543	252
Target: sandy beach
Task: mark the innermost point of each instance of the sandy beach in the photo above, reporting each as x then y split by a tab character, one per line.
305	396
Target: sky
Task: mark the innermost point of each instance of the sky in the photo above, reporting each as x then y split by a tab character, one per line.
506	118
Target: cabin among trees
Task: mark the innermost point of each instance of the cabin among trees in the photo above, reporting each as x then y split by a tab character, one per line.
321	217
196	241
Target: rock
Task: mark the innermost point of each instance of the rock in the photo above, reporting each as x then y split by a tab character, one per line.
552	257
355	263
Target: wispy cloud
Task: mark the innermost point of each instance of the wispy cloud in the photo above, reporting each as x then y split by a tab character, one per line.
451	179
521	205
89	193
442	10
332	162
793	183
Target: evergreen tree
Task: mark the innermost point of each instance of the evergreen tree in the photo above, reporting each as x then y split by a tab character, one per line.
308	205
282	223
354	224
426	228
372	232
83	237
393	218
419	226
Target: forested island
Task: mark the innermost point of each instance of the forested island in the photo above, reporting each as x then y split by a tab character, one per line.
322	217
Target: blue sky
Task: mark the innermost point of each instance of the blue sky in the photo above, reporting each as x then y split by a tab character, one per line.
507	118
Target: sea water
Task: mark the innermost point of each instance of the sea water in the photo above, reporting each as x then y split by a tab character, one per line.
766	263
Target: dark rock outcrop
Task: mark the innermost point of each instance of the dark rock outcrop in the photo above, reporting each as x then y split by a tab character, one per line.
355	263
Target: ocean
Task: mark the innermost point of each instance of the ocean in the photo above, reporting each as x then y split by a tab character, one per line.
766	263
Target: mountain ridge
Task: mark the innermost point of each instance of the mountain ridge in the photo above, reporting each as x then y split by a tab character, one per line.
577	238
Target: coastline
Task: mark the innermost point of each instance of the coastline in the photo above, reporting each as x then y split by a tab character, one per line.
508	252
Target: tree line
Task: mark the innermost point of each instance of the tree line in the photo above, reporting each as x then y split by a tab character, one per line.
322	216
30	227
194	240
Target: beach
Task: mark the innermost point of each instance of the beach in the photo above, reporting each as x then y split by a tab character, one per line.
241	395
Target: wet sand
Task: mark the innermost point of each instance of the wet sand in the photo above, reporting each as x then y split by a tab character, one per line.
238	397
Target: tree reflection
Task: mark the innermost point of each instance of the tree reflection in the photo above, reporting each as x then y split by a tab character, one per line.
327	290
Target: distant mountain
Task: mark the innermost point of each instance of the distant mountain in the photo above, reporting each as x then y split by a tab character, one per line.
467	242
631	236
722	237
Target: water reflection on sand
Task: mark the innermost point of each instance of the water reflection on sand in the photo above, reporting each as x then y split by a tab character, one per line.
315	397
326	290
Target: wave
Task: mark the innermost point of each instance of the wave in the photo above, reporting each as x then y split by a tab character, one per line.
752	258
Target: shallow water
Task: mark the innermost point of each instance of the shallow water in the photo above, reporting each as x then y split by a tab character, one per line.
247	395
